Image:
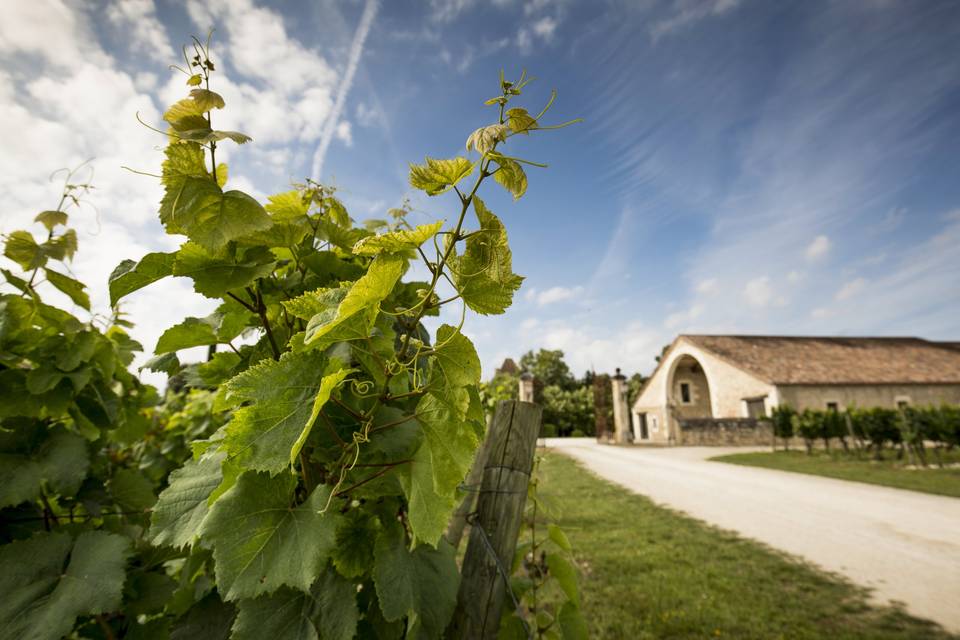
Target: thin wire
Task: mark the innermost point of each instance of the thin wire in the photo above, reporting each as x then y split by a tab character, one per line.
472	520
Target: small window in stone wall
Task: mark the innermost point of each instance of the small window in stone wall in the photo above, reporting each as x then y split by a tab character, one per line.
685	393
653	423
902	402
833	406
756	408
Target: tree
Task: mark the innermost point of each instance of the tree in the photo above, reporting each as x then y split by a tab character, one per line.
549	367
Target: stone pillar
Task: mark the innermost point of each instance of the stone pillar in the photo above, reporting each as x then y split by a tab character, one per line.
526	387
621	413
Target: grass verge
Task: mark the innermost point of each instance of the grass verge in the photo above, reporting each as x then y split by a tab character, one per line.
837	464
649	572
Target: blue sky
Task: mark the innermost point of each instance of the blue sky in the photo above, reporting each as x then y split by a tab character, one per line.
743	166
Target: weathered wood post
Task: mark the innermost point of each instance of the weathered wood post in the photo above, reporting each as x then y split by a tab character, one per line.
493	536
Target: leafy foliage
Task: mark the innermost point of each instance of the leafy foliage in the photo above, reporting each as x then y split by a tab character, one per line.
296	483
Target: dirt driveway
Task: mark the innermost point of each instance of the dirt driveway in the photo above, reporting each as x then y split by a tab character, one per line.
902	544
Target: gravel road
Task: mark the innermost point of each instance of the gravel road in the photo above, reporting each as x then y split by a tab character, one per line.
904	545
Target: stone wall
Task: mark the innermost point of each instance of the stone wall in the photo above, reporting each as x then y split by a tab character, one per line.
724	432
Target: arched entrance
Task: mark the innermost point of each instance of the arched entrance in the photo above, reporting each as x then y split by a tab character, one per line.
688	391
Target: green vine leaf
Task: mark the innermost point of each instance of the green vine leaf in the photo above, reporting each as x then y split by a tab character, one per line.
49	580
484	274
328	383
566	575
50	219
520	121
130	276
447	436
35	456
182	506
214	275
438	176
261	543
207	100
396	241
511	177
72	288
428	510
192	332
263	434
287	206
422	582
328	611
362	300
456	357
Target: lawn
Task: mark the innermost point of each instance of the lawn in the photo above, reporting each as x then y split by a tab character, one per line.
837	464
649	572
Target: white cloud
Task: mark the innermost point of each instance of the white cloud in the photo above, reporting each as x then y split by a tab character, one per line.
758	292
345	84
545	28
794	276
681	320
818	248
850	289
555	294
137	21
524	41
344	133
707	287
686	12
370	115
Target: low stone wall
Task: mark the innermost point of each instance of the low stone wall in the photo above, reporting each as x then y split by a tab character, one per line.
725	432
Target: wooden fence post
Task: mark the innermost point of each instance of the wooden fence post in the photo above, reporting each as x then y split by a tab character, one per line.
493	536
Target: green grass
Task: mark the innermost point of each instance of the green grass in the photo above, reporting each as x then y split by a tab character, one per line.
649	572
836	464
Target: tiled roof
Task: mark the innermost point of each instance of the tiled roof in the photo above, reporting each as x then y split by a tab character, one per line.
826	360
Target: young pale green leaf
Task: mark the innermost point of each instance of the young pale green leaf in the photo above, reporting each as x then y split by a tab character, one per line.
50	219
566	575
328	383
222	174
260	542
263	434
438	176
451	442
428	511
24	250
130	276
187	109
50	579
211	217
337	212
34	457
423	582
195	80
520	121
182	506
511	177
72	288
183	162
287	206
456	357
484	274
214	275
365	295
328	611
207	100
397	241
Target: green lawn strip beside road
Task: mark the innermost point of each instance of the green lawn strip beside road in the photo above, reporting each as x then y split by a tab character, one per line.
649	572
888	472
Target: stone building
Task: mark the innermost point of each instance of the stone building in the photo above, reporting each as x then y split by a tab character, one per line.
731	379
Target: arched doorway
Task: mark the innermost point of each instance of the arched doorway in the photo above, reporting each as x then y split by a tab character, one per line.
688	391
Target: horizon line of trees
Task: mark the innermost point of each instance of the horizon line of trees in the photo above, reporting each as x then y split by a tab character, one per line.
569	407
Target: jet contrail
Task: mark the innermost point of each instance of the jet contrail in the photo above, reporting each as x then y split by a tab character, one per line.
356	50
